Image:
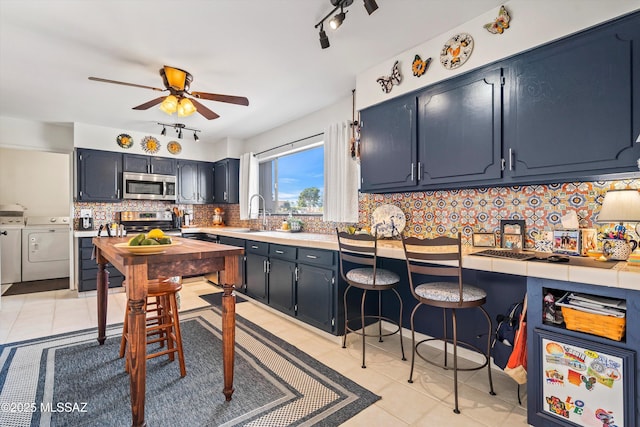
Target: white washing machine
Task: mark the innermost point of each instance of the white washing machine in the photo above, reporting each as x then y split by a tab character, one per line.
45	248
11	225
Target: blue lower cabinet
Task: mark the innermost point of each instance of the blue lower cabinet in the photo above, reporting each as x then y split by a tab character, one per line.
88	268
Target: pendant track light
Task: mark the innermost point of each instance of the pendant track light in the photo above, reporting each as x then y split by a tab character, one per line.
324	40
371	6
179	127
336	20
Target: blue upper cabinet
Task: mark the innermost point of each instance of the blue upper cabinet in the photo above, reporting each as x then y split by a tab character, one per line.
572	108
460	130
388	145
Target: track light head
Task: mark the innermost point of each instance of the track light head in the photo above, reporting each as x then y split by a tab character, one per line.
195	136
180	133
324	40
338	19
371	6
164	131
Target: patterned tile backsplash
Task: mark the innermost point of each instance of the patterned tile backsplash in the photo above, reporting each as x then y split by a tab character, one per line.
429	213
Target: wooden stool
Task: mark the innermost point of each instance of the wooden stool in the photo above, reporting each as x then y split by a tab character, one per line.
165	323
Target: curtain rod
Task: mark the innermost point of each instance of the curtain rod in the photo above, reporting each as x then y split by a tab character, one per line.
289	143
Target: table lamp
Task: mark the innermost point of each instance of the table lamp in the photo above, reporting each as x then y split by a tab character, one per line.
621	206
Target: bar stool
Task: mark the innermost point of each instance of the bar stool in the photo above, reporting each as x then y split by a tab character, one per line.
361	250
420	255
164	323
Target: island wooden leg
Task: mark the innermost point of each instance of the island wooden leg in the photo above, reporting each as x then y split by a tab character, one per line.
228	338
137	340
102	284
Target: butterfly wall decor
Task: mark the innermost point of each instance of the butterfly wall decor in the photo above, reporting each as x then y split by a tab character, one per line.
501	23
387	82
419	67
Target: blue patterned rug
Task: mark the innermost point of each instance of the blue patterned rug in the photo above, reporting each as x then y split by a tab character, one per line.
69	380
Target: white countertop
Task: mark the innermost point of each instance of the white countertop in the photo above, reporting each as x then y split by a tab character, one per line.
621	275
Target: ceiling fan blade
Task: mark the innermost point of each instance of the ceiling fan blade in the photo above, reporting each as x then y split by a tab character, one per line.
240	100
149	104
98	79
207	113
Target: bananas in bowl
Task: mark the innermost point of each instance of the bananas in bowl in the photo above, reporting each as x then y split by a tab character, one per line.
154	237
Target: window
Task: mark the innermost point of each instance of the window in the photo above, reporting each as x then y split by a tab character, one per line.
294	182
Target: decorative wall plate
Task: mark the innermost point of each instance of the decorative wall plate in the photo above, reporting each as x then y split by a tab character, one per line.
124	140
150	145
456	51
387	221
174	147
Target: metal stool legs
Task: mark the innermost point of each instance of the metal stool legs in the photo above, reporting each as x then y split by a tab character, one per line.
379	319
454	342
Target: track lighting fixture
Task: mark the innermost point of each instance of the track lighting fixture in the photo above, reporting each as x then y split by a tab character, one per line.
324	40
371	6
337	19
179	127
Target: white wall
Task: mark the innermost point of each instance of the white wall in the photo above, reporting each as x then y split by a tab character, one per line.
105	138
532	23
37	180
304	127
31	135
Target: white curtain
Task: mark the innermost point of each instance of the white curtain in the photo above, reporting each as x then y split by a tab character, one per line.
341	175
249	185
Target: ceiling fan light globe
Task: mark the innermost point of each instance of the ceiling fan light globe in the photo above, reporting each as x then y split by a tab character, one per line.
169	105
186	108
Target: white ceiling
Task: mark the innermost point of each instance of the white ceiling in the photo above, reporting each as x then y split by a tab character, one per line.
266	50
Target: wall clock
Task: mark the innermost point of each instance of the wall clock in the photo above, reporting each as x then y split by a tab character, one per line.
456	51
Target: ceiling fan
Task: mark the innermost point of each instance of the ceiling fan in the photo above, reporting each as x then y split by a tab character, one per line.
177	82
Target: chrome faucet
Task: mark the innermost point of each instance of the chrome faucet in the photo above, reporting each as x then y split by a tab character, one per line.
264	209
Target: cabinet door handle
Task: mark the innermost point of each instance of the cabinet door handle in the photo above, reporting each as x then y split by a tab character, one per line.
411	172
312	257
225	196
118	194
510	159
279	252
264	266
254	247
419	170
268	266
502	164
296	273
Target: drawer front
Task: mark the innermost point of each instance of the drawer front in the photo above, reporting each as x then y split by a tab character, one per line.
282	251
85	253
92	273
232	241
91	285
315	256
259	248
85	242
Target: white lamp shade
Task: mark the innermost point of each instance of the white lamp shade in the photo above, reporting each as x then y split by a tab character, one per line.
620	206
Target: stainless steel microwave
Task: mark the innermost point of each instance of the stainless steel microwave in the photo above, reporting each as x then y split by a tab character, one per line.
146	186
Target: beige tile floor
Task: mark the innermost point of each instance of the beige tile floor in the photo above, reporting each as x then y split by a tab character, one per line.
426	402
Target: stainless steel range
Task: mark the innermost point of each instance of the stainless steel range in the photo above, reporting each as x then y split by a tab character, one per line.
142	222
